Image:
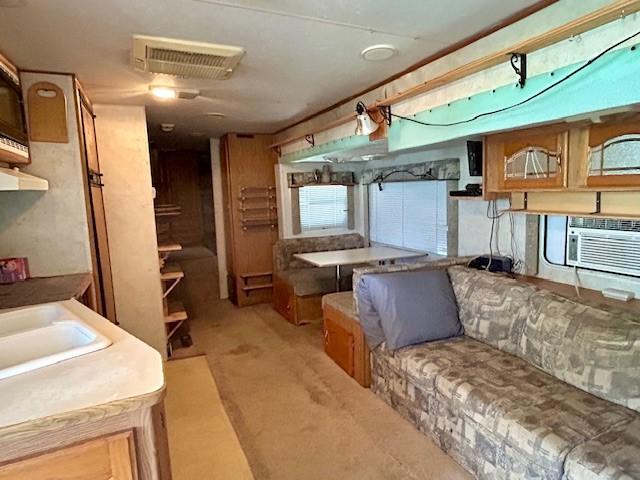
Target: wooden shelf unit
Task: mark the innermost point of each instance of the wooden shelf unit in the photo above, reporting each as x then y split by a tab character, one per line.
171	274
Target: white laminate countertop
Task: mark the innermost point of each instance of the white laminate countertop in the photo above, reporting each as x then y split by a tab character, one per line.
128	368
354	256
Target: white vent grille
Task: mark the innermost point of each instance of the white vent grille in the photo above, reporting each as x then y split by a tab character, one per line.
185	59
605	224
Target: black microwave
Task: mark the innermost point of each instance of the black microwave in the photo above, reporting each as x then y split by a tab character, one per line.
13	127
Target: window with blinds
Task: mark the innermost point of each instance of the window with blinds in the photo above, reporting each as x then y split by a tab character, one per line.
411	215
323	207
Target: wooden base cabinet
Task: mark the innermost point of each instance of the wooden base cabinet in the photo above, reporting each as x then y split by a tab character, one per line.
345	343
108	458
125	440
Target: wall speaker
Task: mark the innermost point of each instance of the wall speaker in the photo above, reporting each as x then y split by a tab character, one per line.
474	153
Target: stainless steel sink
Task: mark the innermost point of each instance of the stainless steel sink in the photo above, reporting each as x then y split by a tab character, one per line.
41	335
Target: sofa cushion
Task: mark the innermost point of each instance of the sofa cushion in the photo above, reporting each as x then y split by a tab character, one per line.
593	349
477	448
527	409
285	249
491	307
310	281
614	454
414	307
423	362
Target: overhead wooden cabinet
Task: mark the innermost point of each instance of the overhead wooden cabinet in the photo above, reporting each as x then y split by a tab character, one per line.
251	218
611	154
587	168
530	159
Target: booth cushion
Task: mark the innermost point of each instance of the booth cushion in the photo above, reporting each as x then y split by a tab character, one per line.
310	281
341	301
285	249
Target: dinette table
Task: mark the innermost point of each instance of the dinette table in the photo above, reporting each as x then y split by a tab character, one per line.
356	256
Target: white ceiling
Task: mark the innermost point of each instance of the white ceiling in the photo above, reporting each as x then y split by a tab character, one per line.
302	56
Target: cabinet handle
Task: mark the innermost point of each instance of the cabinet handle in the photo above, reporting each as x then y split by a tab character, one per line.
326	336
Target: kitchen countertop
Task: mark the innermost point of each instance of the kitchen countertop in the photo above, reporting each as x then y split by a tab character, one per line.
125	376
44	290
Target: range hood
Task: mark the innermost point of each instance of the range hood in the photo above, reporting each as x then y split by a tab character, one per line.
12	179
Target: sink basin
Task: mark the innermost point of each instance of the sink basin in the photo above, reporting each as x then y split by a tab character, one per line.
38	336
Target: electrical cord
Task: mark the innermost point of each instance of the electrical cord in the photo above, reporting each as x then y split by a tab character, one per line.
381	178
386	114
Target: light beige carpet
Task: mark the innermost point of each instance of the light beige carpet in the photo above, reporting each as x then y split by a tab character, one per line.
297	414
202	442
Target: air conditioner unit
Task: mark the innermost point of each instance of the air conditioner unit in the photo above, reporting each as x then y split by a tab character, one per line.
184	58
611	245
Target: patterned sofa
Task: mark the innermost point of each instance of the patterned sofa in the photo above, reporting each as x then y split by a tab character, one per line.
298	286
539	387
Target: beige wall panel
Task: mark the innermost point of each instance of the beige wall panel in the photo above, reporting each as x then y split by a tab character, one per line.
128	201
50	227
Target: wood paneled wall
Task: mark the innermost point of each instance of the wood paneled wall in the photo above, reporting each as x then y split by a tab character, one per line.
247	162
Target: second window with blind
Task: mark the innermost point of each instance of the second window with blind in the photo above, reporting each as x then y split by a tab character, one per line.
410	215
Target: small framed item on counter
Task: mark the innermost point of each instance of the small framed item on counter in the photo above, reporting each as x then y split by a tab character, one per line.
14	269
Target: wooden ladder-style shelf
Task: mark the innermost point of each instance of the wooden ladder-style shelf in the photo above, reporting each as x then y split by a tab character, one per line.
258	207
170	275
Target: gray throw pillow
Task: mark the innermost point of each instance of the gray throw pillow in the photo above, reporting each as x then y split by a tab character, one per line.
414	307
369	318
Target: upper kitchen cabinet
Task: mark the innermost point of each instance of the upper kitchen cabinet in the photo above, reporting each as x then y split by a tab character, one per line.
609	153
529	159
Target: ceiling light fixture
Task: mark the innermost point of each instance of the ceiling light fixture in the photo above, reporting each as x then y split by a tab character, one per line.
163	93
364	123
378	53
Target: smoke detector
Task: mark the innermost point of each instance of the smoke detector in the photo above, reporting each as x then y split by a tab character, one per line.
378	53
183	58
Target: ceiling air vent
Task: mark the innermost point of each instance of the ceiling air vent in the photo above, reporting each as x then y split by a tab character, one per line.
185	59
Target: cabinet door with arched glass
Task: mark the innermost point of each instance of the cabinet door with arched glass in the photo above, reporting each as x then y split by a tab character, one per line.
535	158
613	154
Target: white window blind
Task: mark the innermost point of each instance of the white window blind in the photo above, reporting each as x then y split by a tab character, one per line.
323	207
410	214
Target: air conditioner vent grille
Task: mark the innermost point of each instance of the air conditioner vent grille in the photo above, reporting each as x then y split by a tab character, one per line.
188	58
185	59
605	224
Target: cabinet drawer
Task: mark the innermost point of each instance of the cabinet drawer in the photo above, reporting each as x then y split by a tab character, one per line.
107	458
338	344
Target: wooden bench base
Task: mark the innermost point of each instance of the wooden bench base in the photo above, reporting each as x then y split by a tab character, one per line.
297	310
345	343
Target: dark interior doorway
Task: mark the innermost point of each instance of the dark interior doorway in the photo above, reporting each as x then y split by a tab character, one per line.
183	178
